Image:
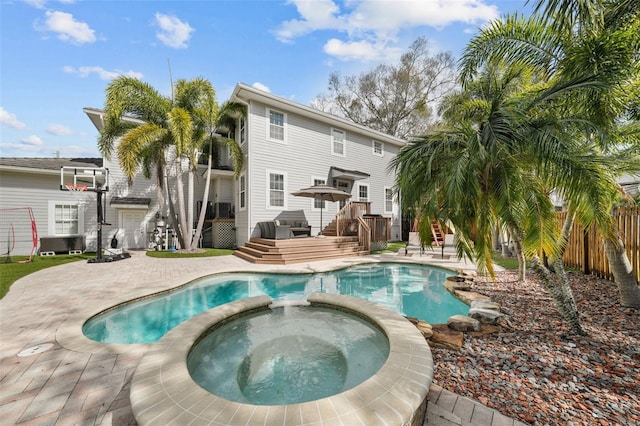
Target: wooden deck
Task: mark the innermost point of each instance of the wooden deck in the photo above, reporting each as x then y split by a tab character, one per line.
300	249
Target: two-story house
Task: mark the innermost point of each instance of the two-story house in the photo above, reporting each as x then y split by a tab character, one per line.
287	146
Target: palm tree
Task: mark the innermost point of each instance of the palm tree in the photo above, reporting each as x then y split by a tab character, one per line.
580	39
166	139
493	162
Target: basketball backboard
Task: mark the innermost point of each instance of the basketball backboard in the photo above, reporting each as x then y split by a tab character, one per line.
76	178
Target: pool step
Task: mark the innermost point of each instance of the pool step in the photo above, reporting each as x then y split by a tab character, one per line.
297	250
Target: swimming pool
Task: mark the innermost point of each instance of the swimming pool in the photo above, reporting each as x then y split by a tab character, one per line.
409	289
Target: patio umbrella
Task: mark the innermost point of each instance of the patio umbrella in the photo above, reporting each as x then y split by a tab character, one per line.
324	193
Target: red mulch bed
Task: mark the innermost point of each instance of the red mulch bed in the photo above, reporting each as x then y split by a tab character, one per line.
537	371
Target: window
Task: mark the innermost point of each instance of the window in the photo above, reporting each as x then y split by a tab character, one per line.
363	192
338	142
65	218
319	204
242	130
276	198
378	148
242	196
388	200
276	130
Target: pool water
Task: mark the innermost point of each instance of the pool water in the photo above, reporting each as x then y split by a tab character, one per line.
411	290
287	355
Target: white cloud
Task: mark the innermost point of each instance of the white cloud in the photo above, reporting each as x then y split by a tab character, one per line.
360	50
31	141
11	120
261	86
67	28
375	24
102	73
316	15
59	130
39	4
173	32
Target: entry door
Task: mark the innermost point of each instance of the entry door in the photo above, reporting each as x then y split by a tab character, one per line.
135	235
343	185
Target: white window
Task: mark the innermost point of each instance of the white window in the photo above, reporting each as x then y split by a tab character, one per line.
65	218
276	196
277	126
242	131
242	196
378	148
338	143
388	200
319	204
363	192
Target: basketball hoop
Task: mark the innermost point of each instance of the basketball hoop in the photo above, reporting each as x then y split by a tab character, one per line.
75	187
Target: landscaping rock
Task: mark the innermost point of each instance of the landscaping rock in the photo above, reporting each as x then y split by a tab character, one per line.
486	316
485	304
463	323
446	338
453	286
469	296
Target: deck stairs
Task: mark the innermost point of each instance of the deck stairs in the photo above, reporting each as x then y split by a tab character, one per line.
297	250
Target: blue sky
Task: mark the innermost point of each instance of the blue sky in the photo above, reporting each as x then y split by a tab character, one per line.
58	56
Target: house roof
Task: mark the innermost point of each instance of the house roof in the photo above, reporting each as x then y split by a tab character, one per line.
46	164
245	93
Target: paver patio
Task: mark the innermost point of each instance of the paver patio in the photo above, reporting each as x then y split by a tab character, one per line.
89	385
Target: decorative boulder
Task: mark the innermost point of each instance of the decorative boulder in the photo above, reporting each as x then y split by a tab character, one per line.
425	328
486	316
485	304
445	337
463	323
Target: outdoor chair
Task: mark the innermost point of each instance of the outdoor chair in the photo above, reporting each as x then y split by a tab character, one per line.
414	242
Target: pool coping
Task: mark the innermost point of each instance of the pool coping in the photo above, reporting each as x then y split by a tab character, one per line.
162	390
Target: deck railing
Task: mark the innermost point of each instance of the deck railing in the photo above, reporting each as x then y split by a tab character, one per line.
349	218
364	234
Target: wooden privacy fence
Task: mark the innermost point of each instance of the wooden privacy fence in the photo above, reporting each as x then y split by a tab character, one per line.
585	248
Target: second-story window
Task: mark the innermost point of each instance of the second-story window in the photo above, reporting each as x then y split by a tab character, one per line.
242	130
276	131
338	142
378	148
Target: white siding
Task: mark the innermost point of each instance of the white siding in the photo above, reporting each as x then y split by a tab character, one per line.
307	155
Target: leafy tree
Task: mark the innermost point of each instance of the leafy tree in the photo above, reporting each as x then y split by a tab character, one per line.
581	39
395	99
163	136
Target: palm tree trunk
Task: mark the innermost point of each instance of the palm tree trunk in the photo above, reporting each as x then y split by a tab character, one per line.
558	287
622	273
516	234
205	200
556	282
181	210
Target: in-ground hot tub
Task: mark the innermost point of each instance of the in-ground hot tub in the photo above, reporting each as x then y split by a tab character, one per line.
393	392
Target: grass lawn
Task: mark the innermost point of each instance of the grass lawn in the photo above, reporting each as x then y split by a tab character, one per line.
392	247
508	263
12	271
